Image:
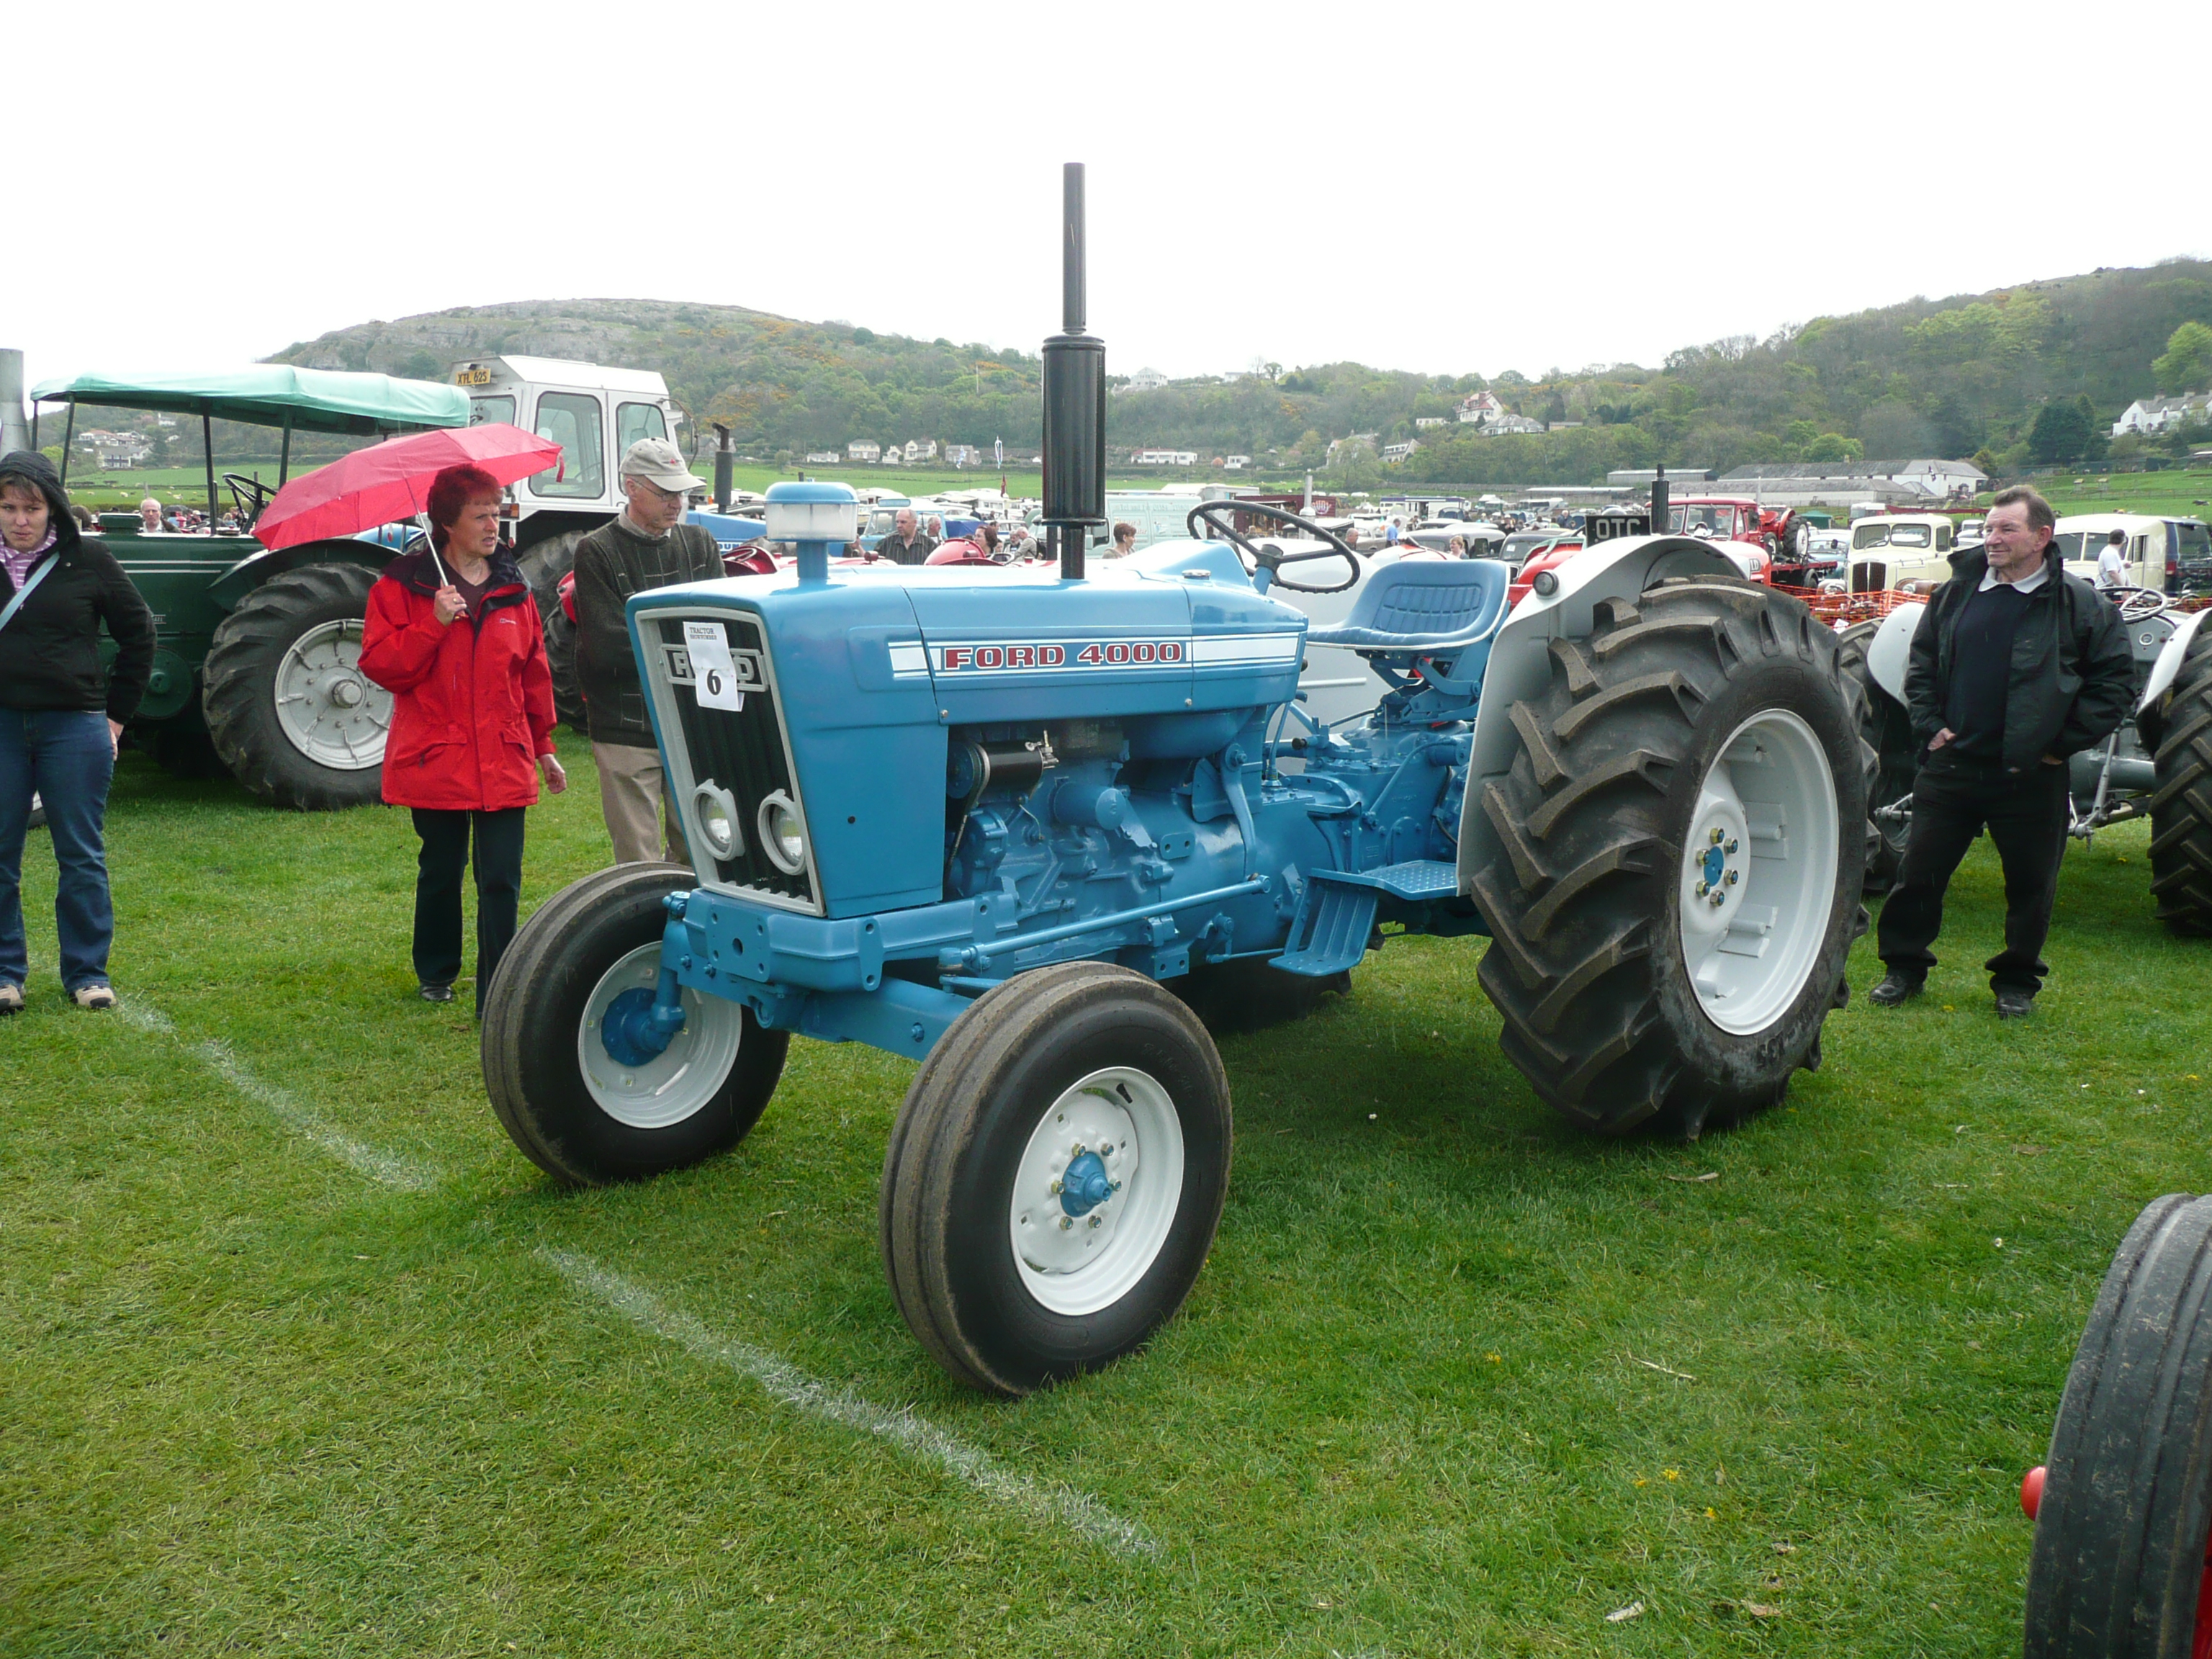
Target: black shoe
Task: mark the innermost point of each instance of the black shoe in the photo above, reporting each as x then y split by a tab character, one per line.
436	993
1894	989
2015	1005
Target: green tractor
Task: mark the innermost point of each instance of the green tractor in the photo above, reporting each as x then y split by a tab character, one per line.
256	671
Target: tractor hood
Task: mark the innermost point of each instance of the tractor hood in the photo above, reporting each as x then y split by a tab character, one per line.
846	690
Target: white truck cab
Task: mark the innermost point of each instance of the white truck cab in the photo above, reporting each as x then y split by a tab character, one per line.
592	412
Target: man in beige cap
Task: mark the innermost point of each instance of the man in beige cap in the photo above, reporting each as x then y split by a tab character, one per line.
647	545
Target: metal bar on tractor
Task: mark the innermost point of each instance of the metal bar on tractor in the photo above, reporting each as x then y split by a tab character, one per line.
207	446
69	441
284	461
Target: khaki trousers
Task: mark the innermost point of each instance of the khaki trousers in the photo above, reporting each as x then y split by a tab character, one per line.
630	788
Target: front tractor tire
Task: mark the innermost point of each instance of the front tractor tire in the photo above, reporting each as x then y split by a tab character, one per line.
2120	1560
1682	845
585	1115
2181	809
1056	1177
287	709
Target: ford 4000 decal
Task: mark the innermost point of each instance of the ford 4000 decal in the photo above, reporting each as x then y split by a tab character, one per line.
1004	656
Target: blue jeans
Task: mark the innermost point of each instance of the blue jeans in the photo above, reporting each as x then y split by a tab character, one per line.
66	757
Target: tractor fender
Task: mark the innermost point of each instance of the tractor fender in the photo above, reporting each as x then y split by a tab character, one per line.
2162	672
1889	653
1520	666
259	566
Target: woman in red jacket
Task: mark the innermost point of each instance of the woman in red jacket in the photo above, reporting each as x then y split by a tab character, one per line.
454	636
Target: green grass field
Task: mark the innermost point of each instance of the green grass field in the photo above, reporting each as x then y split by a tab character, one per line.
2185	494
304	1358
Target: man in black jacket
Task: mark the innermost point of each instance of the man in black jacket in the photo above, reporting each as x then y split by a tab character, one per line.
645	546
2015	666
61	716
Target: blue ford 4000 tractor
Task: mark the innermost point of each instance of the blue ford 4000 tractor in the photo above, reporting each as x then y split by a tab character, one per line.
986	820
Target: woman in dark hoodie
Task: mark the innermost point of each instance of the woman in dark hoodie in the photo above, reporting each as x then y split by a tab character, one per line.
61	718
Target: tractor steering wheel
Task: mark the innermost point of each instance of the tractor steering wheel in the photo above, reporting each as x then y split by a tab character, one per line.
251	495
2141	603
1266	556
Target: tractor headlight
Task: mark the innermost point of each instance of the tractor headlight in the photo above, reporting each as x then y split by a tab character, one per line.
782	836
717	816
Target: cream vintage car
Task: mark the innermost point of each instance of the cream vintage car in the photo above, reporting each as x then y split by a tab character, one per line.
1891	548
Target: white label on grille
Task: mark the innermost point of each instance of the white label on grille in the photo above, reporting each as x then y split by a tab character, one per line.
714	676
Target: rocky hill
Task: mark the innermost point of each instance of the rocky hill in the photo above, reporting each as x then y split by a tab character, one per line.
1970	376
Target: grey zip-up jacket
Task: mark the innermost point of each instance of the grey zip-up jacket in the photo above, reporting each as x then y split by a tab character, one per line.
613	562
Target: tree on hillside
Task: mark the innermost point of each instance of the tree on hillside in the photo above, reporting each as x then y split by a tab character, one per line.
2060	433
1893	429
2187	364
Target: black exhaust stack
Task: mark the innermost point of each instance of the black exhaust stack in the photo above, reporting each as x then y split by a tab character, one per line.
1659	501
724	455
1074	401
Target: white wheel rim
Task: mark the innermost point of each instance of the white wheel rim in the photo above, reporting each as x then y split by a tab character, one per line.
329	710
1098	1258
1759	872
681	1079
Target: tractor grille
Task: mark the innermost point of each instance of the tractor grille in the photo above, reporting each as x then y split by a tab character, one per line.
743	750
1869	578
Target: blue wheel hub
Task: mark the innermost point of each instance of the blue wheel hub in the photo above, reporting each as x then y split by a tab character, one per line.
629	1032
1085	1185
1716	875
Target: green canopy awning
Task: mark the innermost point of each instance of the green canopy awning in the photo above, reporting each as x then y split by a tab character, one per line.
275	394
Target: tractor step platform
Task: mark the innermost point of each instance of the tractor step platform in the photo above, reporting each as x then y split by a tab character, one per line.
1336	913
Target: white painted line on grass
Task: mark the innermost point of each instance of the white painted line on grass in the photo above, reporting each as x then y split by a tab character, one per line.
785	1381
386	1168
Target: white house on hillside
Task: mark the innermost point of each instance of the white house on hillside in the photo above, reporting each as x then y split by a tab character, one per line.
2156	414
863	449
1145	379
919	450
1401	452
1499	425
1479	406
1165	458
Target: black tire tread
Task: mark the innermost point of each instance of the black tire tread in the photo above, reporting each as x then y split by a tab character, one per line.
525	973
1569	969
937	1125
2120	1535
499	1042
241	717
2181	807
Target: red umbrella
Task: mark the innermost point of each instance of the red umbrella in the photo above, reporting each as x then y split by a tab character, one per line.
388	482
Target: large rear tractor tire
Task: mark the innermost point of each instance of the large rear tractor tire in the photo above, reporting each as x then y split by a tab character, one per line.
1682	847
2118	1565
288	708
1056	1177
542	566
2181	809
578	1108
1887	730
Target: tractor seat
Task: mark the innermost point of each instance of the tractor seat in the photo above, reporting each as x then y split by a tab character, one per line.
1422	605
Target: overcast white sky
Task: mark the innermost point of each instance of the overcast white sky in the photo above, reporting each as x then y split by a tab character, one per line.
1445	188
